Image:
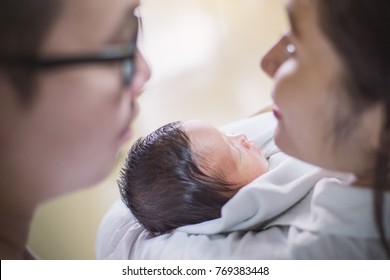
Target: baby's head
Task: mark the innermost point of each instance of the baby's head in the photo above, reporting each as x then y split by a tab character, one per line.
234	157
183	173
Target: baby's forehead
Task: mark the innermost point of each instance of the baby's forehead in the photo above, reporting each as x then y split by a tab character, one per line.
192	125
205	138
202	131
210	144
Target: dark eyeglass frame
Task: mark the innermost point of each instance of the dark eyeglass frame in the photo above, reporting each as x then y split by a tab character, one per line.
126	54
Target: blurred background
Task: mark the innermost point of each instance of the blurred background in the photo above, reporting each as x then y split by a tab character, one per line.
204	56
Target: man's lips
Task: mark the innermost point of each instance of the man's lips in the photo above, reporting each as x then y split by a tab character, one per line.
127	131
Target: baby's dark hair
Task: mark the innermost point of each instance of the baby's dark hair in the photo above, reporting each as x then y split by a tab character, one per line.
163	186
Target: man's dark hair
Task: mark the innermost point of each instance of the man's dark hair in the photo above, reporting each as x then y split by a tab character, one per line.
24	25
163	186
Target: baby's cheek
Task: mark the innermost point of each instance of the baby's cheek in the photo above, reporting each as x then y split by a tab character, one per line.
265	164
262	166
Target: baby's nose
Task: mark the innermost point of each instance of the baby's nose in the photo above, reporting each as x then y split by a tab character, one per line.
244	140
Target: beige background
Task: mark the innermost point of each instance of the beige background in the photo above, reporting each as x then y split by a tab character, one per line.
204	56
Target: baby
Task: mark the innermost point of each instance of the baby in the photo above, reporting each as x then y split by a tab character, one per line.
184	172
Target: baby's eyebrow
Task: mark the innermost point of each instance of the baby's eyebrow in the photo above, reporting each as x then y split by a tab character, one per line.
239	151
231	144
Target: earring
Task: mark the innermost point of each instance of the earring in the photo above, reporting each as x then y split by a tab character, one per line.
291	49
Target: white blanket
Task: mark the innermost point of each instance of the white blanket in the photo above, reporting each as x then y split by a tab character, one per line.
286	183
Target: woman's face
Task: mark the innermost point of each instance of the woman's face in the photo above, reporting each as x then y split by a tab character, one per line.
238	158
315	122
71	134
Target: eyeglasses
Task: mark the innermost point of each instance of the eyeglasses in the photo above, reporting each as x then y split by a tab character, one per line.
126	54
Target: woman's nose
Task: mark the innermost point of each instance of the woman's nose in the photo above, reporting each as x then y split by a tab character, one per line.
274	57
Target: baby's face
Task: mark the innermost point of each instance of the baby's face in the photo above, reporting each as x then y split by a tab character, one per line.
235	156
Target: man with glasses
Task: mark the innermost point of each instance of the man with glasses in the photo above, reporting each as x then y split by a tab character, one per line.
69	82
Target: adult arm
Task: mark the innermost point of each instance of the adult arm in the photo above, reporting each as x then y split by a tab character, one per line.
121	237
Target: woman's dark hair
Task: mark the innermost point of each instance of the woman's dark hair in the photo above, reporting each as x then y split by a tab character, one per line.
163	186
24	25
359	29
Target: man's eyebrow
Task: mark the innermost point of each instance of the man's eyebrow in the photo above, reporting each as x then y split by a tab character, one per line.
128	18
293	21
